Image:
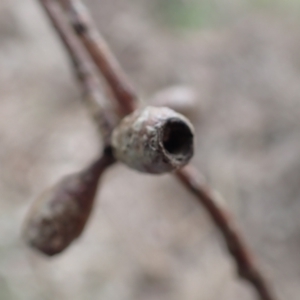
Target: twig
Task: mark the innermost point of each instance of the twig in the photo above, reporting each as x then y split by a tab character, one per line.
247	269
126	98
102	55
104	117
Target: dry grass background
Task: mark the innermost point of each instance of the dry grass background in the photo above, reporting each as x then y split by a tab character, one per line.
147	238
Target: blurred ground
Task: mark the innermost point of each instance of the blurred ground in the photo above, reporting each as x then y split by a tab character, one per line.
148	239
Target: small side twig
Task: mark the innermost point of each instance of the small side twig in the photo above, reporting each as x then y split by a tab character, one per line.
126	98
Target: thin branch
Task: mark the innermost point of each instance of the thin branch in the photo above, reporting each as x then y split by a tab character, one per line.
247	268
102	55
93	97
126	99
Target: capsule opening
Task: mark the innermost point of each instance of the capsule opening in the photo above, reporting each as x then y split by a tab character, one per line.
177	138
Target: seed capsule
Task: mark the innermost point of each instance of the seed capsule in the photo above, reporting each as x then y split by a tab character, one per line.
154	140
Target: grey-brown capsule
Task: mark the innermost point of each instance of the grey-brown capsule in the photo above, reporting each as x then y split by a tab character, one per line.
60	214
154	140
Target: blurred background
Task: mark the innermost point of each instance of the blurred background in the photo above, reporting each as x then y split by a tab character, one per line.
148	238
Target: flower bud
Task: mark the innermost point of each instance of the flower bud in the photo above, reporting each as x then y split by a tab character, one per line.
154	140
60	214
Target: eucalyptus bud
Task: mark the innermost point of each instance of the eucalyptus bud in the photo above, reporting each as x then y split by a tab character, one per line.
60	214
154	140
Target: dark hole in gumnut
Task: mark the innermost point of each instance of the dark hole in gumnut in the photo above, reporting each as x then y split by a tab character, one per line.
177	137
